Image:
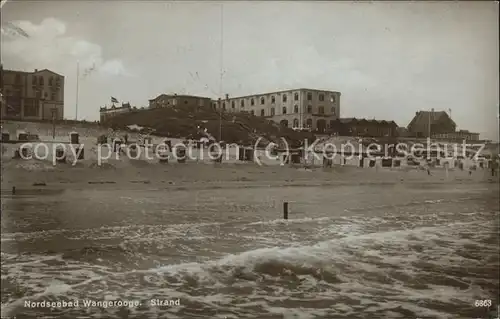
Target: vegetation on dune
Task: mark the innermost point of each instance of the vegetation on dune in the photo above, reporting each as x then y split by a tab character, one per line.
192	122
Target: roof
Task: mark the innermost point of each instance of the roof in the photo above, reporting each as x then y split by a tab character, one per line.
422	118
38	71
280	92
14	71
34	72
349	120
177	95
113	108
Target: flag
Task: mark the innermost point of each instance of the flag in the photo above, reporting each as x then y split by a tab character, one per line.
114	100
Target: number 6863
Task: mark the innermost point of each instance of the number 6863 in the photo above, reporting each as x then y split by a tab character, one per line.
482	303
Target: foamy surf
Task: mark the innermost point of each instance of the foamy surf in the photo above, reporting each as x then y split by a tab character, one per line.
238	260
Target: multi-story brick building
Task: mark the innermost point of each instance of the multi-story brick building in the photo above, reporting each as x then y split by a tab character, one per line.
168	100
37	95
299	108
365	128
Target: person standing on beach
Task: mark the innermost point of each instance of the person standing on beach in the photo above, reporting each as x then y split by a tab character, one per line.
494	164
428	168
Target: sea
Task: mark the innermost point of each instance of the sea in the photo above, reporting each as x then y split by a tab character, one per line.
351	251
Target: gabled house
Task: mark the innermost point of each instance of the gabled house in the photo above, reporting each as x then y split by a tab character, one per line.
426	122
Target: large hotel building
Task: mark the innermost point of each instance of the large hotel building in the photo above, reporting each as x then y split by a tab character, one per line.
299	108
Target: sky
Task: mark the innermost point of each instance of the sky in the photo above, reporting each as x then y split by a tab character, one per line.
388	59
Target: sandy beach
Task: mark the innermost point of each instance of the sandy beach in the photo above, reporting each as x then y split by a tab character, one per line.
120	173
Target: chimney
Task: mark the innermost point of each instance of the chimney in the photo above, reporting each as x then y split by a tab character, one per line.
227	96
36	70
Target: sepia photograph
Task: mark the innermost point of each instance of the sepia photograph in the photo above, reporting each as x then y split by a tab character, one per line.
250	159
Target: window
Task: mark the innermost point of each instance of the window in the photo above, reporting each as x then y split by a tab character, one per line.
273	112
242	103
261	112
273	99
309	109
232	104
309	123
33	80
333	110
333	98
284	97
296	123
51	81
321	110
53	97
46	95
321	97
252	112
296	96
38	94
54	112
30	108
185	102
41	80
14	104
284	110
296	109
223	105
252	102
18	79
262	100
320	125
309	96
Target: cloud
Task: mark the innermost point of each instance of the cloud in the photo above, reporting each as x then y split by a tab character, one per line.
48	46
114	67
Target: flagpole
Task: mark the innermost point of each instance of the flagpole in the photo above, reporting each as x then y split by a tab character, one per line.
77	87
429	124
221	67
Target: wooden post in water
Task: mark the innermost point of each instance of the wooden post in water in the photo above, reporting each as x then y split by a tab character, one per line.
13	190
285	210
